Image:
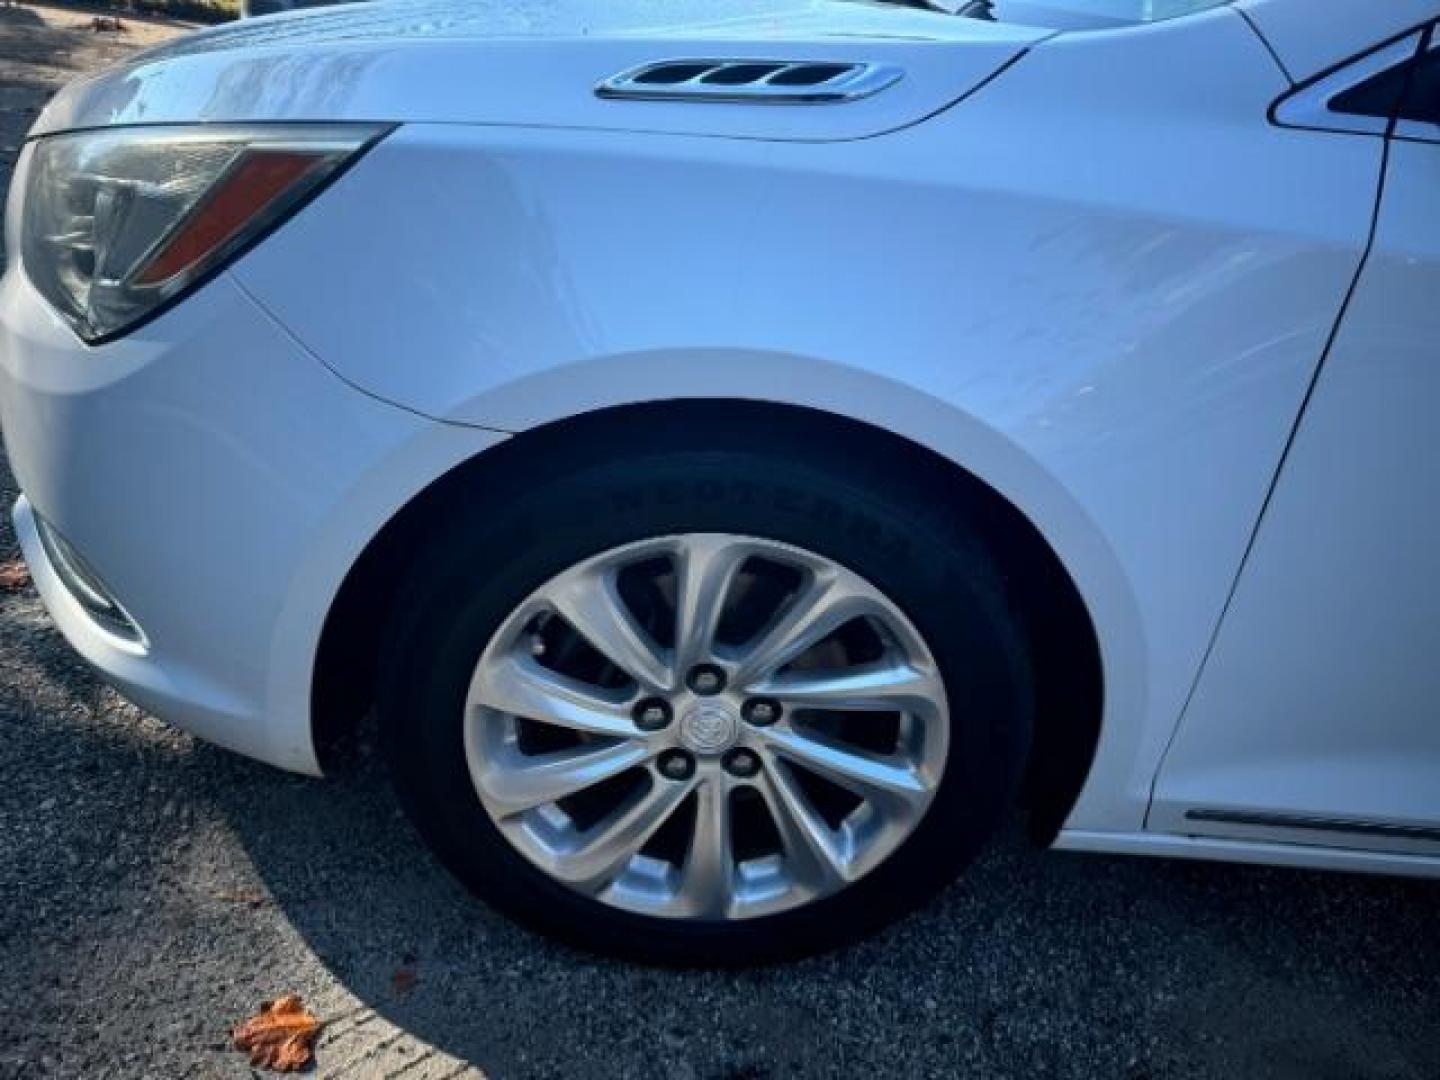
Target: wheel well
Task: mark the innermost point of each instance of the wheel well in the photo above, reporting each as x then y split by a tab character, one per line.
1062	638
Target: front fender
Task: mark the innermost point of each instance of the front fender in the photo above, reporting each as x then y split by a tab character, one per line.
1118	348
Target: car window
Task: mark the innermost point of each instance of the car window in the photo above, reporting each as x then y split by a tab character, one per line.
1088	14
1406	90
1422	102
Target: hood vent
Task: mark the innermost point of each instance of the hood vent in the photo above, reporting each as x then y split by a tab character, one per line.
772	82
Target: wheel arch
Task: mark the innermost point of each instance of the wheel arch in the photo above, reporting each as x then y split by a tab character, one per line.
1063	635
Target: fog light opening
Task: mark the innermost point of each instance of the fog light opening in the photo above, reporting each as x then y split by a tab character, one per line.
85	586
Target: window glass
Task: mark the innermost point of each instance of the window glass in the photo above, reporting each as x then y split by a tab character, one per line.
1076	14
1423	100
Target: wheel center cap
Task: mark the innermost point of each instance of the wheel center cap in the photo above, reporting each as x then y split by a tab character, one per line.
709	727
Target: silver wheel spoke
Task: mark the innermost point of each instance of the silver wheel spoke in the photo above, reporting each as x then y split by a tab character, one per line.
898	687
824	604
707	877
893	786
518	686
604	851
591	604
534	781
810	845
705	568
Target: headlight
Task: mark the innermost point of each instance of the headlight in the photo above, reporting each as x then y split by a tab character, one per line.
118	223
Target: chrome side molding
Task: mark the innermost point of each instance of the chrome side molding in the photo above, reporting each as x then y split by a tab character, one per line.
1348	826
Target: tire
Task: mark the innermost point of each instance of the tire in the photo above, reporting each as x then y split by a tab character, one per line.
931	564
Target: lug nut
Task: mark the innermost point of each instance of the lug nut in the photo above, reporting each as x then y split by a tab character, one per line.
676	765
741	762
706	679
762	712
652	714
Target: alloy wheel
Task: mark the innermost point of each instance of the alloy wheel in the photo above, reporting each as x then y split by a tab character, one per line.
706	726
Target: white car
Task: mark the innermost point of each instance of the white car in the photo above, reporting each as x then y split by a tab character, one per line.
745	448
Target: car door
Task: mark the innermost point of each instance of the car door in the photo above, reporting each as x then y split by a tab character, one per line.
1316	719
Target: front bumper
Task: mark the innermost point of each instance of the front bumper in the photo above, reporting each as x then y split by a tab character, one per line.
220	481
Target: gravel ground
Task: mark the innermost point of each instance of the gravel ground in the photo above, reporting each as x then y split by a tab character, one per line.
153	890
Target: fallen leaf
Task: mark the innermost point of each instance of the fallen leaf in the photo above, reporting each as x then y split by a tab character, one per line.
14	576
281	1036
404	980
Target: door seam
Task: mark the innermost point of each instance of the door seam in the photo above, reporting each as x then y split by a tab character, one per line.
1279	469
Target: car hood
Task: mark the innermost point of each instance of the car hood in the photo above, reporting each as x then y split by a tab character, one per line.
537	62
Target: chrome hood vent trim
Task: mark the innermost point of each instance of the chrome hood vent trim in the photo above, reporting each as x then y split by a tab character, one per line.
762	82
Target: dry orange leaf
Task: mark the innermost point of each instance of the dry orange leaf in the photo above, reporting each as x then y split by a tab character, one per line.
404	980
281	1036
13	576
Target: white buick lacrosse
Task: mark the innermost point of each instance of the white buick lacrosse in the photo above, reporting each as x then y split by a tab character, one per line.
743	448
